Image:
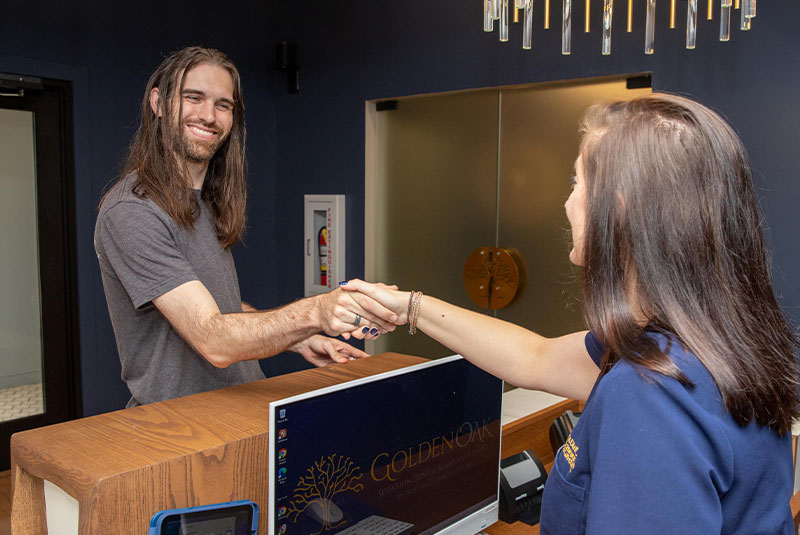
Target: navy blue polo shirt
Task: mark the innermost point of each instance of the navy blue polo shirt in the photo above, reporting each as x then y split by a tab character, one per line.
650	456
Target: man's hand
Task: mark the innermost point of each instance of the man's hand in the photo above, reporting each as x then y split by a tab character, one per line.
322	351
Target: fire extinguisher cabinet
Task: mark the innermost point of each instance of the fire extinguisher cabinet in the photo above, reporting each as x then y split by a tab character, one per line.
324	224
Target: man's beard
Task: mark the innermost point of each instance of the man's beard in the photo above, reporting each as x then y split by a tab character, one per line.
196	150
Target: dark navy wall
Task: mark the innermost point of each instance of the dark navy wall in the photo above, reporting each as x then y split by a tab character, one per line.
109	49
354	51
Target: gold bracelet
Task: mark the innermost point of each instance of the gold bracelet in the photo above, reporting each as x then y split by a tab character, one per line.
414	306
410	308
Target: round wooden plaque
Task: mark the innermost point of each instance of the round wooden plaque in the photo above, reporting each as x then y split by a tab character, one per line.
491	277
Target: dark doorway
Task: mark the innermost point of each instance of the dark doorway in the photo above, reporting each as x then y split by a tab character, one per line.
38	321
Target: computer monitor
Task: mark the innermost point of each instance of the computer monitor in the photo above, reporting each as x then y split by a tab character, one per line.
412	451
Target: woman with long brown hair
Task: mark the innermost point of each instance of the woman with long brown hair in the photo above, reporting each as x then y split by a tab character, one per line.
688	367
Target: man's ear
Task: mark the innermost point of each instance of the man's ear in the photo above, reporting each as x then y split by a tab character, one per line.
155	101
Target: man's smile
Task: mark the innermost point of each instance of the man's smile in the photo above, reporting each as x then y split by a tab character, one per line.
202	132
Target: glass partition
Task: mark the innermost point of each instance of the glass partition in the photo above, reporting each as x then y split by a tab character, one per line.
460	171
435	198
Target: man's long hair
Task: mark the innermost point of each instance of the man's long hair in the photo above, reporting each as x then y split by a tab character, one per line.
673	228
162	174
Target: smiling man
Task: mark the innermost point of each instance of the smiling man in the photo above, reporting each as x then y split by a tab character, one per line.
163	238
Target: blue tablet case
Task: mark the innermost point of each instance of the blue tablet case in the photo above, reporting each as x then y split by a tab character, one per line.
201	513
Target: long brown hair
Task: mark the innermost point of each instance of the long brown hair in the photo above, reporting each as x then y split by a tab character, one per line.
673	228
162	177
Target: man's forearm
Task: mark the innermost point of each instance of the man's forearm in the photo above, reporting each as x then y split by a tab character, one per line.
229	338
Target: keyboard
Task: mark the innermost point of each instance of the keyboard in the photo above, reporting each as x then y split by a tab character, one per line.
378	525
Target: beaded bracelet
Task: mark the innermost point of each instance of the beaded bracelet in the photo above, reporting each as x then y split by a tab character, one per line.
414	305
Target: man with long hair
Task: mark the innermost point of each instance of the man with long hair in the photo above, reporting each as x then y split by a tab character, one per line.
163	239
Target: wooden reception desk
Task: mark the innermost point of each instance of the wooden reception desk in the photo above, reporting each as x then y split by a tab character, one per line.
123	466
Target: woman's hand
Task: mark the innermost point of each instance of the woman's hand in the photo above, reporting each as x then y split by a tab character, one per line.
339	312
386	295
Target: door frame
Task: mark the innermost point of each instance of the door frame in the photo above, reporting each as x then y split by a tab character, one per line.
52	106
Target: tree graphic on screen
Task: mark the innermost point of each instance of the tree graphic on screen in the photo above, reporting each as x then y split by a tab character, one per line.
328	477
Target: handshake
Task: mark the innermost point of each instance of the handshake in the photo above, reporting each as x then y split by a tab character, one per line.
364	310
356	309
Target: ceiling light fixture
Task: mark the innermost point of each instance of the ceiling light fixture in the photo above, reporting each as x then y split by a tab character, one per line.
498	10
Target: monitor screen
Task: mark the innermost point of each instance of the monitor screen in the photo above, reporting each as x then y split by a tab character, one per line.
412	451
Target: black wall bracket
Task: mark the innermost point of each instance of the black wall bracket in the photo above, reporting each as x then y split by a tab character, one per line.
286	61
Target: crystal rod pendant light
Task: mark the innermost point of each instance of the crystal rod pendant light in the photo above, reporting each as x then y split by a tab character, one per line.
498	10
608	11
725	20
691	24
744	25
504	21
527	32
566	27
749	8
650	27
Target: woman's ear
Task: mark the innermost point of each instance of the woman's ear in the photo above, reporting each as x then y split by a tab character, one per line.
155	101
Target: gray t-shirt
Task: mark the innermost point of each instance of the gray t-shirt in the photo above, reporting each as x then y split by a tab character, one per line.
144	253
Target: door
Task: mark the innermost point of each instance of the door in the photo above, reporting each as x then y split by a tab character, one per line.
38	336
457	172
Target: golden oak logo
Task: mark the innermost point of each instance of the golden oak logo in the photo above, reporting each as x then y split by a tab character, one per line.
388	466
570	452
328	477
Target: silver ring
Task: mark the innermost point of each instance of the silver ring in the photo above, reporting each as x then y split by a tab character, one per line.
357	321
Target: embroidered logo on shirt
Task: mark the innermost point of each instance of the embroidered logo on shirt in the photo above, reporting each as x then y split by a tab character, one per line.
570	452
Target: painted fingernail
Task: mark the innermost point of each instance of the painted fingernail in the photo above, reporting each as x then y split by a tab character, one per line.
365	330
342	283
374	331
